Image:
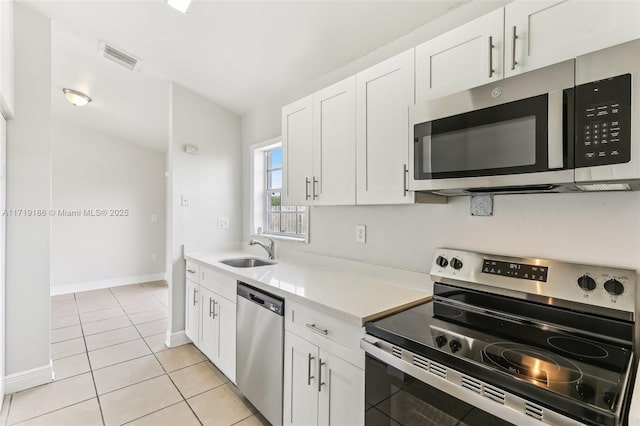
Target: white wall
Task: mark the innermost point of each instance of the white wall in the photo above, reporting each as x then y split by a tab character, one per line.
95	171
211	179
599	228
29	187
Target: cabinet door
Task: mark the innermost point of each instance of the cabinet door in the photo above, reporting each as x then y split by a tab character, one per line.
209	325
549	32
468	56
297	150
341	397
384	93
300	381
334	144
225	312
192	311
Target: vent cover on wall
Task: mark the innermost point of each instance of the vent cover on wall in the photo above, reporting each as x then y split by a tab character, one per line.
120	57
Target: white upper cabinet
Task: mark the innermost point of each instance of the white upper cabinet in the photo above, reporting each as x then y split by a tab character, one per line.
541	33
297	150
334	144
465	57
318	140
7	91
384	93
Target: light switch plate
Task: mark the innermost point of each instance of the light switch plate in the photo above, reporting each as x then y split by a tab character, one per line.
223	223
481	205
361	234
185	201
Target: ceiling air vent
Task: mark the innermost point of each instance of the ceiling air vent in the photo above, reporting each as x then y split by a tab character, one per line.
120	57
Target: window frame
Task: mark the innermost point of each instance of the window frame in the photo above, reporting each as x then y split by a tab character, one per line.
259	193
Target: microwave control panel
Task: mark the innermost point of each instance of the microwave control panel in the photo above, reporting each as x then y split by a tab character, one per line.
603	122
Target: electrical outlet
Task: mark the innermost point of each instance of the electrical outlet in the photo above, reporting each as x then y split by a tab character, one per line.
154	218
185	201
223	223
361	234
154	257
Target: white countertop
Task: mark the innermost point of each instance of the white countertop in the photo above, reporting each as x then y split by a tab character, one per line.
353	291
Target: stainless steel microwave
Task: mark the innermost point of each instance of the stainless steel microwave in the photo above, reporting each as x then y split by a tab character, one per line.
563	128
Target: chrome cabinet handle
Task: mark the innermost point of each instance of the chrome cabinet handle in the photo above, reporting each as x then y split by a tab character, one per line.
314	188
318	330
213	309
191	271
195	291
309	376
514	37
405	176
306	188
491	46
320	382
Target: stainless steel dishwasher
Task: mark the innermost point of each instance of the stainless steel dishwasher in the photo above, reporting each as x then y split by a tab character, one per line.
260	348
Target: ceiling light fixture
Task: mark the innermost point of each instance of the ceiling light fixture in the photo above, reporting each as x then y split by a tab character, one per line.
179	5
76	98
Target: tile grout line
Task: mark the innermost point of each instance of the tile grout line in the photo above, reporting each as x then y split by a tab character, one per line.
170	379
173	382
93	379
50	412
86	353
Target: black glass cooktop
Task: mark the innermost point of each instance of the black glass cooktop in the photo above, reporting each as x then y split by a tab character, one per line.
580	373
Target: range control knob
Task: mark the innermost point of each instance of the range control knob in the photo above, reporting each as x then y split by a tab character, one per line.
614	287
442	262
456	263
441	341
586	283
587	392
455	346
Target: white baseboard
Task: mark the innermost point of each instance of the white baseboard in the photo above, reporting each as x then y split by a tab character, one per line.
113	282
28	379
177	339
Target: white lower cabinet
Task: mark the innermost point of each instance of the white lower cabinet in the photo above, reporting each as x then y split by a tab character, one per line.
319	387
323	370
192	312
210	319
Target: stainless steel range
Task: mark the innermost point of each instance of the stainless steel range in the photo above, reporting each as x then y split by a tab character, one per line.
506	340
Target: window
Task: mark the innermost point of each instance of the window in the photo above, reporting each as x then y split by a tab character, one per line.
270	217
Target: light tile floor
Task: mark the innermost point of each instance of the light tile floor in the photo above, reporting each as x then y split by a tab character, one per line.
112	368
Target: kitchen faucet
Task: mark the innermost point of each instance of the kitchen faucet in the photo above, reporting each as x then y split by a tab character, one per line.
269	247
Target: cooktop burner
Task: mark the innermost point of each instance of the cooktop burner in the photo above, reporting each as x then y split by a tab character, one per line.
531	363
580	347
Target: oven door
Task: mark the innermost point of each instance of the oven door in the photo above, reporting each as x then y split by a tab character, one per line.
515	133
395	398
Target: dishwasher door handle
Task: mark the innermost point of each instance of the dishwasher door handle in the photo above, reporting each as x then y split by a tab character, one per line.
256	299
309	376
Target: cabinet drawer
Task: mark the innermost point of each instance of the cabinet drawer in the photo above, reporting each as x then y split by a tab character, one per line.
332	334
218	283
192	271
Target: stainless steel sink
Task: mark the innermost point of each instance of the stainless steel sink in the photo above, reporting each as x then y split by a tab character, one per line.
246	262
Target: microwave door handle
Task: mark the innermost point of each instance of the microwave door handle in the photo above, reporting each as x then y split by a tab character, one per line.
426	152
555	131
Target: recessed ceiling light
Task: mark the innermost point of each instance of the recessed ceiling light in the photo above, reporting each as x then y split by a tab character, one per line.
179	5
76	98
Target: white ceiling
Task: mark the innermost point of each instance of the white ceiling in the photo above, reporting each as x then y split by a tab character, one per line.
239	54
